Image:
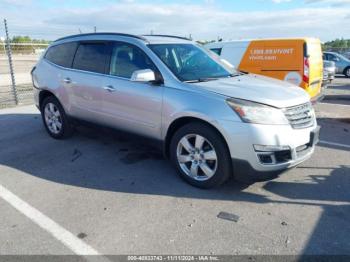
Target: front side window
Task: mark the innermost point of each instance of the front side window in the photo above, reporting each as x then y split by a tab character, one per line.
189	62
126	59
62	54
91	57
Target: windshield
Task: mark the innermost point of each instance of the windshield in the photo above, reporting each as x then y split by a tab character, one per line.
343	57
190	63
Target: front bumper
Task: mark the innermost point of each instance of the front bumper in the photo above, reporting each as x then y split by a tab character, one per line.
297	145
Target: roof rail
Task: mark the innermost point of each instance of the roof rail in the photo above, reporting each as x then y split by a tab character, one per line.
172	36
107	33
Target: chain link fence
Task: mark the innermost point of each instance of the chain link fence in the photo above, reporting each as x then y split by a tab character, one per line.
24	57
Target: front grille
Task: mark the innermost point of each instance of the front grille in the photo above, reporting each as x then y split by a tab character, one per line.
301	116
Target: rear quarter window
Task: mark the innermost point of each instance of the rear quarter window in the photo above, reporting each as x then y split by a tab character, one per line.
62	54
91	57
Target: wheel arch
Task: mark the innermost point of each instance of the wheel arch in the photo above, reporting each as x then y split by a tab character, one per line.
44	94
346	69
182	121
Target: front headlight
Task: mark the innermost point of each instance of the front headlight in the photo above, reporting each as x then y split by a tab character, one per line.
251	112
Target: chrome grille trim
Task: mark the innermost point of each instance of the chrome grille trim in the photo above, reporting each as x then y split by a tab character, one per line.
301	116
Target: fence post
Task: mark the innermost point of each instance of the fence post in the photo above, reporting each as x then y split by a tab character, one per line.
9	54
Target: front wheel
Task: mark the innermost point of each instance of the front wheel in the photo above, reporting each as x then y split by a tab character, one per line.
200	155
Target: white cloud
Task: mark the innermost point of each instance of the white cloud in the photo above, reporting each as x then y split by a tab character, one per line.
280	1
202	21
332	2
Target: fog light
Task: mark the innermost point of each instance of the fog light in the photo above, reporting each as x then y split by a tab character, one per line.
262	148
265	159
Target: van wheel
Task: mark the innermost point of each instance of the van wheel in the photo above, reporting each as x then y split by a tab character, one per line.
55	119
347	72
200	155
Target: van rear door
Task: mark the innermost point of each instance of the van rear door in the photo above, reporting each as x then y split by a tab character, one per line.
313	66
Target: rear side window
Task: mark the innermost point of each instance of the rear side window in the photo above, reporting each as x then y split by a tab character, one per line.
91	57
62	54
217	51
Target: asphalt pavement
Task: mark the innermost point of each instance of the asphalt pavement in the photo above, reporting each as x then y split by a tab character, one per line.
107	192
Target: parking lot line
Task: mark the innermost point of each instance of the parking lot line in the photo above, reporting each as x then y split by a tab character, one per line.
64	236
334	144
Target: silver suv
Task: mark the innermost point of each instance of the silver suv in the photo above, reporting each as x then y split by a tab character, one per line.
213	121
341	62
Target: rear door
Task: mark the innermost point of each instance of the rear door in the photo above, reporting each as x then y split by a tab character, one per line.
86	80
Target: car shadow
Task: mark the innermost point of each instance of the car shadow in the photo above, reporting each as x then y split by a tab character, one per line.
336	99
331	234
335	133
100	158
339	86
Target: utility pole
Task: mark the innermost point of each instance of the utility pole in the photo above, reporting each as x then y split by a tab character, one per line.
9	54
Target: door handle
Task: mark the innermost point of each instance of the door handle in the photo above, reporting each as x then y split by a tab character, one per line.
67	80
110	88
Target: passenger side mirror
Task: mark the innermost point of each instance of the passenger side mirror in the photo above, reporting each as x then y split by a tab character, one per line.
145	75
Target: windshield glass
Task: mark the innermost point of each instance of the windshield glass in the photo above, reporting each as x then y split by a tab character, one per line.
343	57
189	62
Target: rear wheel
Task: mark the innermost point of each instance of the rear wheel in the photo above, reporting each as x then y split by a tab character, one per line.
200	155
55	119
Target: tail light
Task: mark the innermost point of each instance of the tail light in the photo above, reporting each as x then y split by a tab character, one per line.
306	75
33	78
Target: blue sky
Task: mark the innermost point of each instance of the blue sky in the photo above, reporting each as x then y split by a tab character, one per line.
203	19
233	5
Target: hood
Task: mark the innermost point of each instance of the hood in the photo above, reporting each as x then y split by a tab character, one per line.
261	89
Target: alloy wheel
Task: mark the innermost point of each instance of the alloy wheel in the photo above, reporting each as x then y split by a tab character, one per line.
53	118
197	157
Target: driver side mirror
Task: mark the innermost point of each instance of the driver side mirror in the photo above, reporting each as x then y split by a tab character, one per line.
145	75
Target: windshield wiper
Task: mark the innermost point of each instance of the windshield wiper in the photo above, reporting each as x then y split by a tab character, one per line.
204	79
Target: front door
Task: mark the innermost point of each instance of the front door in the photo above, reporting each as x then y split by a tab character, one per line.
133	106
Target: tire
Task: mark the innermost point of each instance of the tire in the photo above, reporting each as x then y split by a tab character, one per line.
210	172
347	72
55	119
